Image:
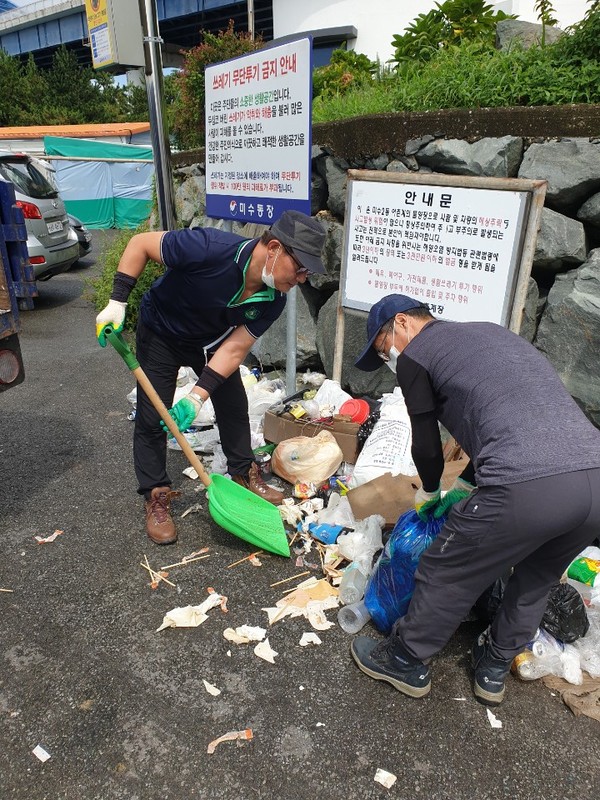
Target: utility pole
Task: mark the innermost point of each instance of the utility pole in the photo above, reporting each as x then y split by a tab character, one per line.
251	18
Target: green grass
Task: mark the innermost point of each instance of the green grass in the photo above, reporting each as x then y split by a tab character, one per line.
472	76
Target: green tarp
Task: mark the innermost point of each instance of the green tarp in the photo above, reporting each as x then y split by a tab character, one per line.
103	194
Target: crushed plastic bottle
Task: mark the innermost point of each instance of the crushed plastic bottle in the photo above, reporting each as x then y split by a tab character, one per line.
353	584
353	618
546	655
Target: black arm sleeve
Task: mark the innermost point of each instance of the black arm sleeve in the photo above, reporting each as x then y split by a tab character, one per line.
210	380
420	402
427	450
468	474
122	286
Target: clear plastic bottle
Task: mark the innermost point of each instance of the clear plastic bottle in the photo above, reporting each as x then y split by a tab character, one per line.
353	584
352	618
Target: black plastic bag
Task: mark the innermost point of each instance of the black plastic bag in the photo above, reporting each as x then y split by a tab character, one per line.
565	616
487	605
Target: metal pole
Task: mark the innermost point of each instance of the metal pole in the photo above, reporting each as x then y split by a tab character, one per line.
251	18
291	308
158	124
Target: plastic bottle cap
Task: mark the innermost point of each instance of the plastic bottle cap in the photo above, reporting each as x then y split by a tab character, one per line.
357	410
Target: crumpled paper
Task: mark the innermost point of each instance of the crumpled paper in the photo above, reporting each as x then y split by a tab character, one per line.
265	651
244	634
191	616
310	599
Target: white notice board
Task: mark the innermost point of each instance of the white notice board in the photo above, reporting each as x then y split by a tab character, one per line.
454	245
258	133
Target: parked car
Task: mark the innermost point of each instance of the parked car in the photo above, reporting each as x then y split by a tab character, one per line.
52	243
84	237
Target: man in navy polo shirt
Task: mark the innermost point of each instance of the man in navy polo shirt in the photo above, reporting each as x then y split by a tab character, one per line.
219	293
536	465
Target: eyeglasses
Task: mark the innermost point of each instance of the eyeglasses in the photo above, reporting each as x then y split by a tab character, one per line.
380	352
300	270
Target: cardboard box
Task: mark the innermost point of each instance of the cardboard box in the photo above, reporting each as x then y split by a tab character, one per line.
278	428
391	496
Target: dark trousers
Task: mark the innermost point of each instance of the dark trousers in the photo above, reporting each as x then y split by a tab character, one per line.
161	360
537	527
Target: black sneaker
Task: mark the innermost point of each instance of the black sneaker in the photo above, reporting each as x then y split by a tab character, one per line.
385	661
490	671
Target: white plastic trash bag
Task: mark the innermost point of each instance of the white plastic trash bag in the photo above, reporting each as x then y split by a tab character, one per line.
306	459
331	395
388	447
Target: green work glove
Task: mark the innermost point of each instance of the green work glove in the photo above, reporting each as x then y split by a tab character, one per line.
425	502
184	412
458	491
113	315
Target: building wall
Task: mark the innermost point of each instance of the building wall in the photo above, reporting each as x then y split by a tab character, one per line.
378	20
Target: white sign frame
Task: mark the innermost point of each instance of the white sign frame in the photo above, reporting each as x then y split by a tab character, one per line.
525	201
258	165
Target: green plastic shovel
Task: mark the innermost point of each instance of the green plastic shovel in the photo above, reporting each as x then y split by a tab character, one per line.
233	507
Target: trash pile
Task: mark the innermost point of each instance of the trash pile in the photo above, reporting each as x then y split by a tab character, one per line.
345	467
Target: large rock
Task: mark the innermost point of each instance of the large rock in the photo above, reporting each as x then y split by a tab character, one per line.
571	167
590	211
560	243
332	256
499	158
271	347
354	380
337	178
526	34
569	333
190	199
529	320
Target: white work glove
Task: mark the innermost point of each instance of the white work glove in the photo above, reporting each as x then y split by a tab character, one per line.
114	315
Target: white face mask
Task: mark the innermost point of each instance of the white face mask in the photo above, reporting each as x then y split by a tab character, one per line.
392	361
267	277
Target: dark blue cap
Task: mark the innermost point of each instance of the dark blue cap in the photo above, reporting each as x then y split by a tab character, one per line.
382	311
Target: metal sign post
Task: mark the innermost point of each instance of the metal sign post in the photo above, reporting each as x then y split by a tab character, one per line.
158	123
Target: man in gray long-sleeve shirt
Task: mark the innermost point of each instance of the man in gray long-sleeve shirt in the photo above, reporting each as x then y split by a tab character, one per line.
535	460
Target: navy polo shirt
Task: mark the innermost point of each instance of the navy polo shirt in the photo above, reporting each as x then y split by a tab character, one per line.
197	297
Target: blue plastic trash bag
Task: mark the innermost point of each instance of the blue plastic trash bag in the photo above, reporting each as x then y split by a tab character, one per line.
392	583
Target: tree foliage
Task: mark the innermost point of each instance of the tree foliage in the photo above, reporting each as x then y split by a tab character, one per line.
189	106
448	24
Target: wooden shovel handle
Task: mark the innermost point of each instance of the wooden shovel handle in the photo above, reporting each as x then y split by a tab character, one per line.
158	404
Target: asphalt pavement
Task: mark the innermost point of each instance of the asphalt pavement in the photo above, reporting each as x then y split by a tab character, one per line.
123	710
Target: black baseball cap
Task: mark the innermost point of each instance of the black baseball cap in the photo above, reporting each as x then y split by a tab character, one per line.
382	311
304	236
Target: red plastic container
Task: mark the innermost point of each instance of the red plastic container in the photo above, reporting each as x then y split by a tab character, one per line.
358	410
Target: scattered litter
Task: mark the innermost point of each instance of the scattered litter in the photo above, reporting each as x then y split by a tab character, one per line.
291	578
310	599
320	725
460	698
190	616
255	561
245	735
265	651
309	638
301	688
156	577
244	634
290	512
47	540
222	598
494	721
211	689
247	558
196	556
190	472
387	779
192	509
7	590
228	654
39	752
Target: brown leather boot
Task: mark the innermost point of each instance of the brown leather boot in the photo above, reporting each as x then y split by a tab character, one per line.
254	481
159	523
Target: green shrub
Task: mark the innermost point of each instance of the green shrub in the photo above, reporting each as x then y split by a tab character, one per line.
346	70
449	24
102	286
